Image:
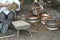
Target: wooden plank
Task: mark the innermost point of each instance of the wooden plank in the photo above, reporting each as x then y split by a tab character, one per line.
6	36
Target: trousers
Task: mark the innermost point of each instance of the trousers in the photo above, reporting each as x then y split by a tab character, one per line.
6	21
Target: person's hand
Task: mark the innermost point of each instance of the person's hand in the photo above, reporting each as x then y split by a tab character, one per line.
14	3
11	3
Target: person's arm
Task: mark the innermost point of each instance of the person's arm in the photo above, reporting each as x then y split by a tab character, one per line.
18	3
3	4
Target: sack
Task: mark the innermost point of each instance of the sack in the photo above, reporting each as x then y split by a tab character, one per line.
12	7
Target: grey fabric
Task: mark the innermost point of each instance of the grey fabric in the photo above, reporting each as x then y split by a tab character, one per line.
6	22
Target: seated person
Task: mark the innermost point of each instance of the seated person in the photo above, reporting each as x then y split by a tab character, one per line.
6	16
36	10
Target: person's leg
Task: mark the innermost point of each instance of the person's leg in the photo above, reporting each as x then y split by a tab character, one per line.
7	22
10	16
2	17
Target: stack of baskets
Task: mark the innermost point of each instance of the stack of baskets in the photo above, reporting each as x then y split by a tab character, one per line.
33	19
44	17
51	24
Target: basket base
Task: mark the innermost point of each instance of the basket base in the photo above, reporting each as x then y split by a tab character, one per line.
52	28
